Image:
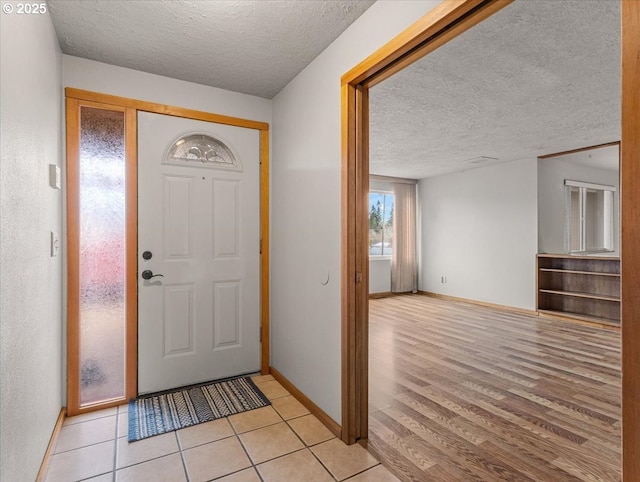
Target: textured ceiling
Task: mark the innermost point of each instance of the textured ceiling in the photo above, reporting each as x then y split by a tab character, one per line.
250	46
536	78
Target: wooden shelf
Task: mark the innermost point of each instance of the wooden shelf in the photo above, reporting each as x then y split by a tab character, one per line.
579	287
578	294
569	271
604	322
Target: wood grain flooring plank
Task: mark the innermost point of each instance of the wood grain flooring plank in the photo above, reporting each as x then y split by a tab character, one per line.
451	445
587	468
467	393
402	467
448	422
393	435
609	436
538	423
534	471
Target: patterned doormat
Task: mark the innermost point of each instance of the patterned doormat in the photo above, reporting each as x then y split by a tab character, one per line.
156	414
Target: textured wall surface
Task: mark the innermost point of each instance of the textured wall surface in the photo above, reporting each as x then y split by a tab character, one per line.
479	229
305	246
30	280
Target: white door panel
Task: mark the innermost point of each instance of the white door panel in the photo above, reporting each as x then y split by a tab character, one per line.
200	221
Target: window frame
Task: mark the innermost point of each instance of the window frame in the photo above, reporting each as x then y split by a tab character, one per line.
383	192
583	187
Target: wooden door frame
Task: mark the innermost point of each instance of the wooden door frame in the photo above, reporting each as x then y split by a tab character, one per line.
73	106
76	98
443	23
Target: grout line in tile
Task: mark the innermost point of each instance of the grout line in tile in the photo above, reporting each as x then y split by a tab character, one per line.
245	449
281	456
297	417
81	447
361	472
324	466
253	430
207	443
184	464
147	460
271	399
303	442
235	434
115	455
296	434
180	448
97	475
231	473
88	420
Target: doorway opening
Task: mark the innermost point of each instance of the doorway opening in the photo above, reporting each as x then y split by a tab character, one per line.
436	28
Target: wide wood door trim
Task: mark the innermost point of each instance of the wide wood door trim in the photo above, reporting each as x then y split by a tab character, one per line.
76	98
73	107
456	16
264	247
443	23
145	106
582	149
630	247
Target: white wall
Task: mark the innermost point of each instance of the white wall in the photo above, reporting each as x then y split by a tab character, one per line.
379	275
30	280
479	229
109	79
305	318
551	200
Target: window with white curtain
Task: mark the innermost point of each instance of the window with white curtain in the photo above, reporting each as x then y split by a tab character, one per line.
404	263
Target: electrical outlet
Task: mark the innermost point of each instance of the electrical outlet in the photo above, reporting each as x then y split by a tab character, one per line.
443	279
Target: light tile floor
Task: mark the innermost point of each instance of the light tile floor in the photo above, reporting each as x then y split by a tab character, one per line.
279	443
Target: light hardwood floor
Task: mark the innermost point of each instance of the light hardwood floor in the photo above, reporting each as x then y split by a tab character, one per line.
462	392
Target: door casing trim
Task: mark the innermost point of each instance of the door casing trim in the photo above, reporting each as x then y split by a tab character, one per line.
445	22
75	98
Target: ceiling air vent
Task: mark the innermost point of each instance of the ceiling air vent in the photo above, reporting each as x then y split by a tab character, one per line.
480	160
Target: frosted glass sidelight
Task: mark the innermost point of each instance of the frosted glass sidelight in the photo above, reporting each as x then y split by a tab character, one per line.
102	255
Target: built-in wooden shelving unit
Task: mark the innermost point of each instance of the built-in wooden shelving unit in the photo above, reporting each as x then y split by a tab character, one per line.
582	287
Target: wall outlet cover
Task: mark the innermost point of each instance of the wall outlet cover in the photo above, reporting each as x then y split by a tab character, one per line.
54	176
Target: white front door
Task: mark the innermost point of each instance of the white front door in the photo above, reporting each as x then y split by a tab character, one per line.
199	227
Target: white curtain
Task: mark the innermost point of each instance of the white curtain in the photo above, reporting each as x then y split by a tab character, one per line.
404	263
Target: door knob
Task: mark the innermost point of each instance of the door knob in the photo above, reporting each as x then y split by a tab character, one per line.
148	274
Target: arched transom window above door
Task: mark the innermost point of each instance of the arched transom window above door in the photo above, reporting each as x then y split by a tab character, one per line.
202	150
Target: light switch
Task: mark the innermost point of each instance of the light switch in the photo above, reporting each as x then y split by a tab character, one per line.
54	245
54	176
